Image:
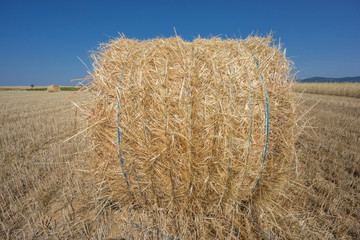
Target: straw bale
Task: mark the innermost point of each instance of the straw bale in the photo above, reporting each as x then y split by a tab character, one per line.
204	126
53	88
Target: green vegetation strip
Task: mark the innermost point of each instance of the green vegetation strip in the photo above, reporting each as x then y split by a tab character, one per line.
36	89
69	88
61	88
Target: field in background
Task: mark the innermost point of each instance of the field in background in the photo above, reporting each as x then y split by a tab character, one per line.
36	88
337	89
47	189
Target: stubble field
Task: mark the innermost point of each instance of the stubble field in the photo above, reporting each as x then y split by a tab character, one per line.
47	190
336	89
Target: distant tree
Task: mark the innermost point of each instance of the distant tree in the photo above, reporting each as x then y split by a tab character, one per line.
32	86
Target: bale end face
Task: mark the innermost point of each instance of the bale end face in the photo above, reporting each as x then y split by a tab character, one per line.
192	126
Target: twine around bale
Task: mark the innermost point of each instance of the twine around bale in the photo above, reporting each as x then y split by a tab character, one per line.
118	122
147	230
264	154
122	160
192	127
266	124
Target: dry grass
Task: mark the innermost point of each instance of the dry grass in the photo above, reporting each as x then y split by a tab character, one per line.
329	166
42	193
193	121
47	192
338	89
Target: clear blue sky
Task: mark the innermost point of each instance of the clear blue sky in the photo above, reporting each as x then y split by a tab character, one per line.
41	40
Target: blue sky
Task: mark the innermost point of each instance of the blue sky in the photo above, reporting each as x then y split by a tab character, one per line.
40	41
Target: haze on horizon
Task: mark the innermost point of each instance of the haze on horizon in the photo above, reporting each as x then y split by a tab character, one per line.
41	41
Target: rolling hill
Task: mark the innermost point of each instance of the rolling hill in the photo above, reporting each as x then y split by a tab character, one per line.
324	79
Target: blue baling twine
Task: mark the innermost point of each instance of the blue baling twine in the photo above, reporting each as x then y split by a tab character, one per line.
266	125
256	223
232	104
118	122
266	141
264	154
137	225
186	96
120	154
164	75
249	148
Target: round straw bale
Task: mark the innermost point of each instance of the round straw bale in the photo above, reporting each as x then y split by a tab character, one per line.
53	88
192	126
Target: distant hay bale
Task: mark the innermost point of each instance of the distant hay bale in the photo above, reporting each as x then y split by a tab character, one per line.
194	129
53	88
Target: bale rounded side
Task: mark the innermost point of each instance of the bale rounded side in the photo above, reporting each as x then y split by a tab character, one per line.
192	126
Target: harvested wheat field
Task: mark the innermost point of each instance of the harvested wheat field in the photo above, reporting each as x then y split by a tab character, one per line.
48	190
205	160
337	89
